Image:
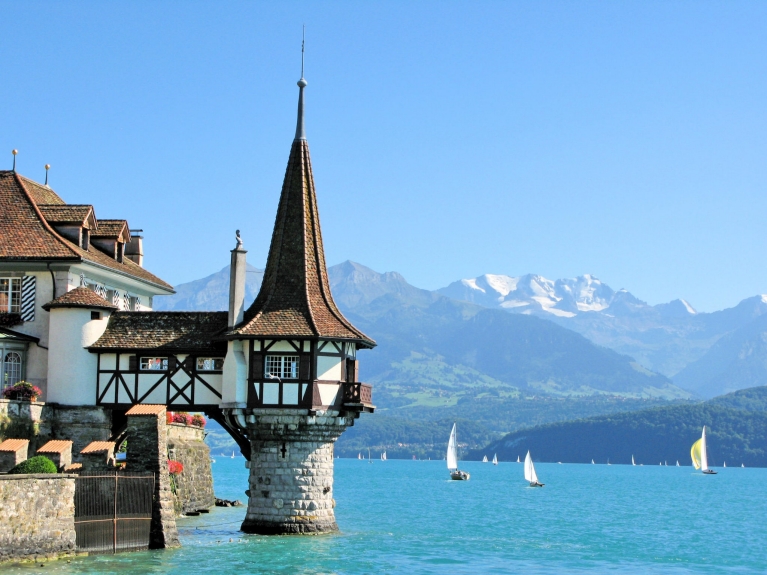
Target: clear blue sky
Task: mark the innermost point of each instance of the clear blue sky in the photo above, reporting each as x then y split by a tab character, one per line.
449	139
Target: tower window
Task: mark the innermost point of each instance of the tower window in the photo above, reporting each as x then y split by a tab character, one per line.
282	366
95	315
154	363
210	363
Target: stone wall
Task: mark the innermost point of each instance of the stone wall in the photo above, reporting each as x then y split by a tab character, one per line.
194	486
148	452
38	517
39	422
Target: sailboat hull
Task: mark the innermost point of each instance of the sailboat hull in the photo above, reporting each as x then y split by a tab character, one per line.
459	475
536	484
710	472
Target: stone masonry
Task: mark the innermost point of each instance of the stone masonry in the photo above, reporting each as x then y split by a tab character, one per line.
147	452
194	486
291	470
38	514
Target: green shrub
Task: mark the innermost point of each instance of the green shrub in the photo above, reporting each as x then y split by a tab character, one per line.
37	464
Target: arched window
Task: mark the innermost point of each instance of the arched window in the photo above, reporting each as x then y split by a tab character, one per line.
11	369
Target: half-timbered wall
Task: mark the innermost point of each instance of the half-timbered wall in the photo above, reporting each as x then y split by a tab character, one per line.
321	368
152	377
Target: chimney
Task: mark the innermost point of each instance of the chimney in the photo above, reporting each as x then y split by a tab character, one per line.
237	284
134	249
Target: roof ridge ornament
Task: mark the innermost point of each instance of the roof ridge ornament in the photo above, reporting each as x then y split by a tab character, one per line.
302	83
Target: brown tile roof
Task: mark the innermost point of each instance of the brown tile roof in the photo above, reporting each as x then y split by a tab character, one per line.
145	409
164	331
295	298
41	194
79	297
26	235
66	213
98	446
56	446
112	229
73	467
13	444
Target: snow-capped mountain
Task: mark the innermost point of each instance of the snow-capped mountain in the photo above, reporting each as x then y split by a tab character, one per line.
531	294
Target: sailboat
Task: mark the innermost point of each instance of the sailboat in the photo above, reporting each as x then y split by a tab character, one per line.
530	474
518	461
359	456
699	455
742	465
632	461
484	459
369	460
452	459
592	462
724	464
677	463
383	456
232	454
495	459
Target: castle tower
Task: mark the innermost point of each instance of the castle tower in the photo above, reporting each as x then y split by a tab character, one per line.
300	387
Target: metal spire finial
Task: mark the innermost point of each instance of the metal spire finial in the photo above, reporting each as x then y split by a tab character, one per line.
300	132
47	167
14	152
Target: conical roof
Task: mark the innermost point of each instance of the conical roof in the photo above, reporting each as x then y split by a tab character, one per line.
295	298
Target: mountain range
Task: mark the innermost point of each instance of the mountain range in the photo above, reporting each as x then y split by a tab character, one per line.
456	354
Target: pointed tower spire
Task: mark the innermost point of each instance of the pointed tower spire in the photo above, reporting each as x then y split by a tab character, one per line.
300	131
295	298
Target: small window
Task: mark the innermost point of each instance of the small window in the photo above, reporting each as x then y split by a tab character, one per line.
210	363
10	295
282	366
11	369
154	363
95	315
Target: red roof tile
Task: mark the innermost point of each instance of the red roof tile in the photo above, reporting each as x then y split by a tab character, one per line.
112	229
295	298
26	235
66	213
13	444
56	446
145	409
98	446
79	297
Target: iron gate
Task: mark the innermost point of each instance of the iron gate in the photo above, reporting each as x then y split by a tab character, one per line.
113	512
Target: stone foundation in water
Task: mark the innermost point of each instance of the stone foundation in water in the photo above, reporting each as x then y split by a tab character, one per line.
291	470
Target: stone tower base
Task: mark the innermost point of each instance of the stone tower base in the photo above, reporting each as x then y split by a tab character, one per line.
291	470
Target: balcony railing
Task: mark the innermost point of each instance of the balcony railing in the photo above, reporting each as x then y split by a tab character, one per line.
357	393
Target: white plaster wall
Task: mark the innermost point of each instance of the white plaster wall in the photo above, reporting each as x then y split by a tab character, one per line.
283	346
328	393
328	368
71	367
234	380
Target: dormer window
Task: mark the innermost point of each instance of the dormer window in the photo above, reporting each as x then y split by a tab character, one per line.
85	239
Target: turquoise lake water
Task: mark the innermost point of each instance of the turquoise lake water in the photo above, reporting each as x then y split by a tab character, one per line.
408	517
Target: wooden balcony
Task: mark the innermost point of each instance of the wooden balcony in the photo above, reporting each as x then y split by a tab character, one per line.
358	396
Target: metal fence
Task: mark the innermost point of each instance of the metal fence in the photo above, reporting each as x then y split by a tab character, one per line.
113	512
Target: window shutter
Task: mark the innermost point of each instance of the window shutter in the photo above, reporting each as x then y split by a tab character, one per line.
353	370
305	368
257	367
132	363
28	284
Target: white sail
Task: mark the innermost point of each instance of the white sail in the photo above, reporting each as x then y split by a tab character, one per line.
724	464
632	460
484	459
517	458
359	456
452	455
677	463
592	462
703	454
495	459
530	474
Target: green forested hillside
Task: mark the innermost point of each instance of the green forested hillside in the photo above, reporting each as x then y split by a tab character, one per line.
735	435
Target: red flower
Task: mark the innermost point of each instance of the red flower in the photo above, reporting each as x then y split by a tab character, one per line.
175	467
198	420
